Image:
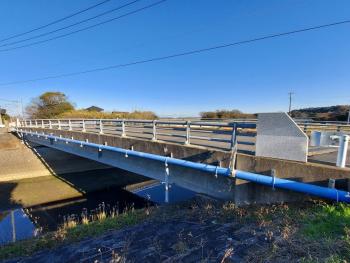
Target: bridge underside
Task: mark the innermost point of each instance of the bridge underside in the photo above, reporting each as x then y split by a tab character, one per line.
192	179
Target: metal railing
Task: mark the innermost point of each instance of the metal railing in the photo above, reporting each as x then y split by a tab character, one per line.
223	135
308	127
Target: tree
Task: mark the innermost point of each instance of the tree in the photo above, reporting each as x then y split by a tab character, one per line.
49	105
225	114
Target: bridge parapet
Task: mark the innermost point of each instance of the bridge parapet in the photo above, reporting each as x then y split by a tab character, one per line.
213	135
225	135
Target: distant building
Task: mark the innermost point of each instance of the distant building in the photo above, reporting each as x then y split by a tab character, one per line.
94	108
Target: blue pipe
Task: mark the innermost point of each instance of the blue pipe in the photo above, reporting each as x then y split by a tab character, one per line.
324	192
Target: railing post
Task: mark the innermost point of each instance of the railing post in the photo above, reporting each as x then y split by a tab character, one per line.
342	151
36	123
101	127
70	125
42	124
154	138
234	137
50	124
30	123
188	132
305	127
84	129
123	128
59	124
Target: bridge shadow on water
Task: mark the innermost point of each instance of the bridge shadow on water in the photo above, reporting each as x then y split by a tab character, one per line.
6	201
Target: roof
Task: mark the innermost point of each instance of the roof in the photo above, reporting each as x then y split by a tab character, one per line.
94	108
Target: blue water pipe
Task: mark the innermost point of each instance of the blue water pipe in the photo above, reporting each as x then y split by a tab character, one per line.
320	191
274	182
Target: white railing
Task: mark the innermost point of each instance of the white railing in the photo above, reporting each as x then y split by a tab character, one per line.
204	133
324	126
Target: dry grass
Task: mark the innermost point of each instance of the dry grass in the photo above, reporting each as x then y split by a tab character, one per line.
83	114
74	229
308	232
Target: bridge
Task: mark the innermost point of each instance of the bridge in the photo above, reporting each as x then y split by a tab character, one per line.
210	157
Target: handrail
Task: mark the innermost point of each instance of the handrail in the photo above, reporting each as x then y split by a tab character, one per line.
205	132
212	134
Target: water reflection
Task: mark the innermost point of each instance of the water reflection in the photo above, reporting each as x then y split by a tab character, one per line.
15	225
156	193
21	223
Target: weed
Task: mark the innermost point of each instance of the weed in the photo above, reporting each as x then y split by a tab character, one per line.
71	231
328	221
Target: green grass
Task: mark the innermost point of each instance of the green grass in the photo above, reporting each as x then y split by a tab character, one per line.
71	234
328	227
327	221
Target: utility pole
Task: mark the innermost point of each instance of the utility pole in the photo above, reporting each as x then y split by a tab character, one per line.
22	109
290	102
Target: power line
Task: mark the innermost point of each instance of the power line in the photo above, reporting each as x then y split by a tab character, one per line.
71	25
86	28
187	53
56	21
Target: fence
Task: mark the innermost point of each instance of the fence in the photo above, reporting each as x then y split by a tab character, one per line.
203	133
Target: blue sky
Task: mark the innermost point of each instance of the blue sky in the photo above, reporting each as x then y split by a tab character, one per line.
254	77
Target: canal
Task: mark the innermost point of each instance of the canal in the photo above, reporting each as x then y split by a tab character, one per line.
20	223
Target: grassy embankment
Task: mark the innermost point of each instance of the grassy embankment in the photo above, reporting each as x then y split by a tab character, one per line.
311	232
74	230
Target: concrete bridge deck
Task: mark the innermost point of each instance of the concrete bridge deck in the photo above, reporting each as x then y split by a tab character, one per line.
208	183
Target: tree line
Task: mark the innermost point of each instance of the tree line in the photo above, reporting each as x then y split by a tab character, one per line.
54	105
226	114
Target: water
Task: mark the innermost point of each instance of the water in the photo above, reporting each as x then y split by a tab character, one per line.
20	223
